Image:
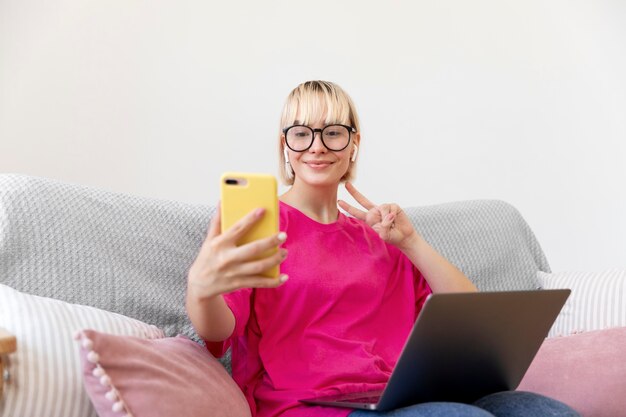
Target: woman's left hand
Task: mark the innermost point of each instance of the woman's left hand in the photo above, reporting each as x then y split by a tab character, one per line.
388	220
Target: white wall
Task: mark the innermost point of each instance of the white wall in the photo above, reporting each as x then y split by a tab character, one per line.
523	101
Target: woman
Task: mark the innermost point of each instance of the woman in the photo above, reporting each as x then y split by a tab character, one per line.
356	284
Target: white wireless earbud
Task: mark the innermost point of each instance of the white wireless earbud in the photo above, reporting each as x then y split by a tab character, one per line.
288	169
356	149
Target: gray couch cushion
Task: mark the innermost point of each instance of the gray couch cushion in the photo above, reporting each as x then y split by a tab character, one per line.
487	239
131	255
120	253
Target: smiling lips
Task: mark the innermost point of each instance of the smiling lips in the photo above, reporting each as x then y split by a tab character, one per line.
318	164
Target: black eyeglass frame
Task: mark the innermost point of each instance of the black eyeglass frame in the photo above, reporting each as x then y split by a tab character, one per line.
350	130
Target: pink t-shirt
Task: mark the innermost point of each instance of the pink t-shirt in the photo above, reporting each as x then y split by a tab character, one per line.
336	326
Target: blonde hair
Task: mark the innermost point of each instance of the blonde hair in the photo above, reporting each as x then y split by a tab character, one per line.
314	99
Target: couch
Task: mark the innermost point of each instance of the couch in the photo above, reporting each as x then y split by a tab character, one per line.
74	254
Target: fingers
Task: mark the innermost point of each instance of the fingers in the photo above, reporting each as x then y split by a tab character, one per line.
252	258
258	247
248	274
388	216
359	214
388	219
255	281
386	210
215	226
385	227
360	198
257	267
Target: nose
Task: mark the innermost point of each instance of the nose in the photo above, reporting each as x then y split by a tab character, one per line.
317	145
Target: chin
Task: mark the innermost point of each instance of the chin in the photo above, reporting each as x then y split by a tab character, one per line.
320	180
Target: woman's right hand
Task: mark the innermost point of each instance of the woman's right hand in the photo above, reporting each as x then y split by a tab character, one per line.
222	267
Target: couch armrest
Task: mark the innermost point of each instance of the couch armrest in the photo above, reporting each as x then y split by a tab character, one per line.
8	344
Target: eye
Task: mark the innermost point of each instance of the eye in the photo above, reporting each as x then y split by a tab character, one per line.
335	132
299	132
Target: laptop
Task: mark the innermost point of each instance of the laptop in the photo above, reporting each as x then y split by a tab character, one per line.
462	347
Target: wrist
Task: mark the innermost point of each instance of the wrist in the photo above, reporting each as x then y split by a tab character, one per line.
410	242
199	291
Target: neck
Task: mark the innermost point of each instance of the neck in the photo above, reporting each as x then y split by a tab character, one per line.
317	202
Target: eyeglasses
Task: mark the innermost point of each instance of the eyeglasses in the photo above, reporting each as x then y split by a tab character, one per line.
335	137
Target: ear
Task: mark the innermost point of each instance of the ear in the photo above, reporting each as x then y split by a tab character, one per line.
286	154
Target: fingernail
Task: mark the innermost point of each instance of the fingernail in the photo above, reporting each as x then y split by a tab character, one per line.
283	253
284	278
282	236
260	211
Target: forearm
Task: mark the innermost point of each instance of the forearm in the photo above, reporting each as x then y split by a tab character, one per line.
440	274
211	317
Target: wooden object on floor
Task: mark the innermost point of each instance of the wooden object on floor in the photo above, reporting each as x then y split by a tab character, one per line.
8	344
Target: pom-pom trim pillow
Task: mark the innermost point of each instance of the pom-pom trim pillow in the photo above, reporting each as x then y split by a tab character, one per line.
133	377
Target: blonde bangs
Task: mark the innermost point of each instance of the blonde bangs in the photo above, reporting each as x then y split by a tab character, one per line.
315	100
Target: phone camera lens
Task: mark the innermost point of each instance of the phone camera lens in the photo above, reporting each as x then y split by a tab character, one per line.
231	182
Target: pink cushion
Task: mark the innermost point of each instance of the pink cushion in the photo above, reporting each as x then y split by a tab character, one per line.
160	377
587	371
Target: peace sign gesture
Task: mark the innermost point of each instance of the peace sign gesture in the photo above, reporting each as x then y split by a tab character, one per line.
388	220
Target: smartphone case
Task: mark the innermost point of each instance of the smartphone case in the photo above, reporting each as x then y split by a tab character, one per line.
249	193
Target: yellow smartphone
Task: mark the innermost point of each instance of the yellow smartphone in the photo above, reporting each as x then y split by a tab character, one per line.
240	194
